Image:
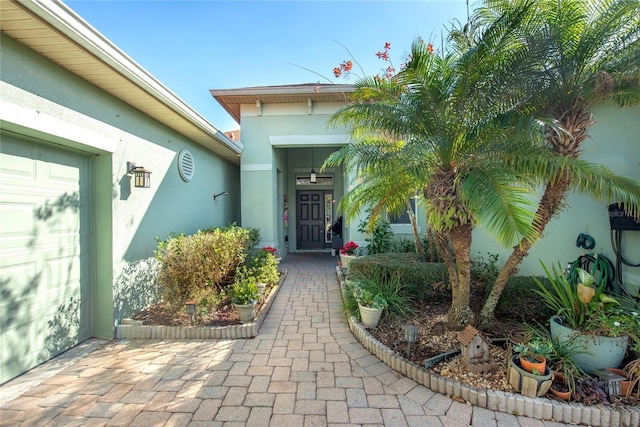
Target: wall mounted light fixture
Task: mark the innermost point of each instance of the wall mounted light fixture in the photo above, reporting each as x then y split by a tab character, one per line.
141	176
224	193
313	177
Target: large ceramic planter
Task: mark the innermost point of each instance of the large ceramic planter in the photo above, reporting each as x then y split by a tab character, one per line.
346	259
245	312
599	352
369	316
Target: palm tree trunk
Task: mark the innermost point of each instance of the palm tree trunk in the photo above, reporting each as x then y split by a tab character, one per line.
576	122
416	237
549	204
460	314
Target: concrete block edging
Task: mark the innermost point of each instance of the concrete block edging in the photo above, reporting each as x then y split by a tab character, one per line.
246	330
539	408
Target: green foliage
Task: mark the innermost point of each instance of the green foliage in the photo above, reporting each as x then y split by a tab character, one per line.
244	291
424	281
597	312
485	270
534	347
264	267
520	302
561	355
208	299
388	290
402	245
379	235
205	259
364	292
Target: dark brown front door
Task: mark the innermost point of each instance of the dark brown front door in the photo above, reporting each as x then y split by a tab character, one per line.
310	219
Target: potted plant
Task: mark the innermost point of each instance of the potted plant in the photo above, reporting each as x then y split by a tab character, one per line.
600	324
244	295
632	372
348	252
533	355
370	304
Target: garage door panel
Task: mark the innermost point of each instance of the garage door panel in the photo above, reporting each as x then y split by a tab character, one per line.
17	161
18	350
63	272
18	220
44	268
19	282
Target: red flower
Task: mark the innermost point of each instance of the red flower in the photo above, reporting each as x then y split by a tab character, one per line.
387	45
270	249
430	48
337	72
349	248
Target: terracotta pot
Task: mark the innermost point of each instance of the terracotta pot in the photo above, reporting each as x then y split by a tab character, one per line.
539	365
558	378
626	387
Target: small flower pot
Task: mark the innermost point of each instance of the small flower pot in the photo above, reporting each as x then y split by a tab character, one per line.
539	365
370	316
626	386
526	383
558	384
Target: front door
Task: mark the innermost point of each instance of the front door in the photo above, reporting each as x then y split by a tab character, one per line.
310	219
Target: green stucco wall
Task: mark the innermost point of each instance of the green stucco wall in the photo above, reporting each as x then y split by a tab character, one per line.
615	143
269	171
125	220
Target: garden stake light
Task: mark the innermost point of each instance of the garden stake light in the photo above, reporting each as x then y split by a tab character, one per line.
410	336
191	310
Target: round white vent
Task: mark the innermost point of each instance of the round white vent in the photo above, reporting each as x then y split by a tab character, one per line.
186	165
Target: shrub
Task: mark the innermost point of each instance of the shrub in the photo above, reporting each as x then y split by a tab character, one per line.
519	301
424	281
380	235
205	259
402	245
264	267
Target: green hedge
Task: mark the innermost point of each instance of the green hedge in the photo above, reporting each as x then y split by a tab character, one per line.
424	281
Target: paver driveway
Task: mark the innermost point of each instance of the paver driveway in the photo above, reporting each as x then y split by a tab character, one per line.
304	368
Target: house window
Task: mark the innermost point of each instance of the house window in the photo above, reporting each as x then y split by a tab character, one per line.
321	180
404	218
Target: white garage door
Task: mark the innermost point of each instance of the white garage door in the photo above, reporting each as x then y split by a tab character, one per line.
45	298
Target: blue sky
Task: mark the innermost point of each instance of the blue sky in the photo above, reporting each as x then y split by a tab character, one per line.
194	46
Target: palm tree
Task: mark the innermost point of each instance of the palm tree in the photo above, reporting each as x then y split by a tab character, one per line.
390	196
593	54
451	114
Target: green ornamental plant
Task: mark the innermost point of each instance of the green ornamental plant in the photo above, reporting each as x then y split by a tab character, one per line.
366	297
534	347
244	292
585	308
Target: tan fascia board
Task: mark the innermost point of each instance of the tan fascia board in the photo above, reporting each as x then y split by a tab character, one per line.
65	20
283	90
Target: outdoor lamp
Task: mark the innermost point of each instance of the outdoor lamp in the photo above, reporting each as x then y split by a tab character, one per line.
410	336
191	309
313	178
141	176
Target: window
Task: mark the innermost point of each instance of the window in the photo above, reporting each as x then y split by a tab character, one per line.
404	218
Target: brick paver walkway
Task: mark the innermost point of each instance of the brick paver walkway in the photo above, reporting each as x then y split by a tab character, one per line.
304	368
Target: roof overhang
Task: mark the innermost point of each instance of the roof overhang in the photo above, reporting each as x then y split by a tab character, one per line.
53	30
232	99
